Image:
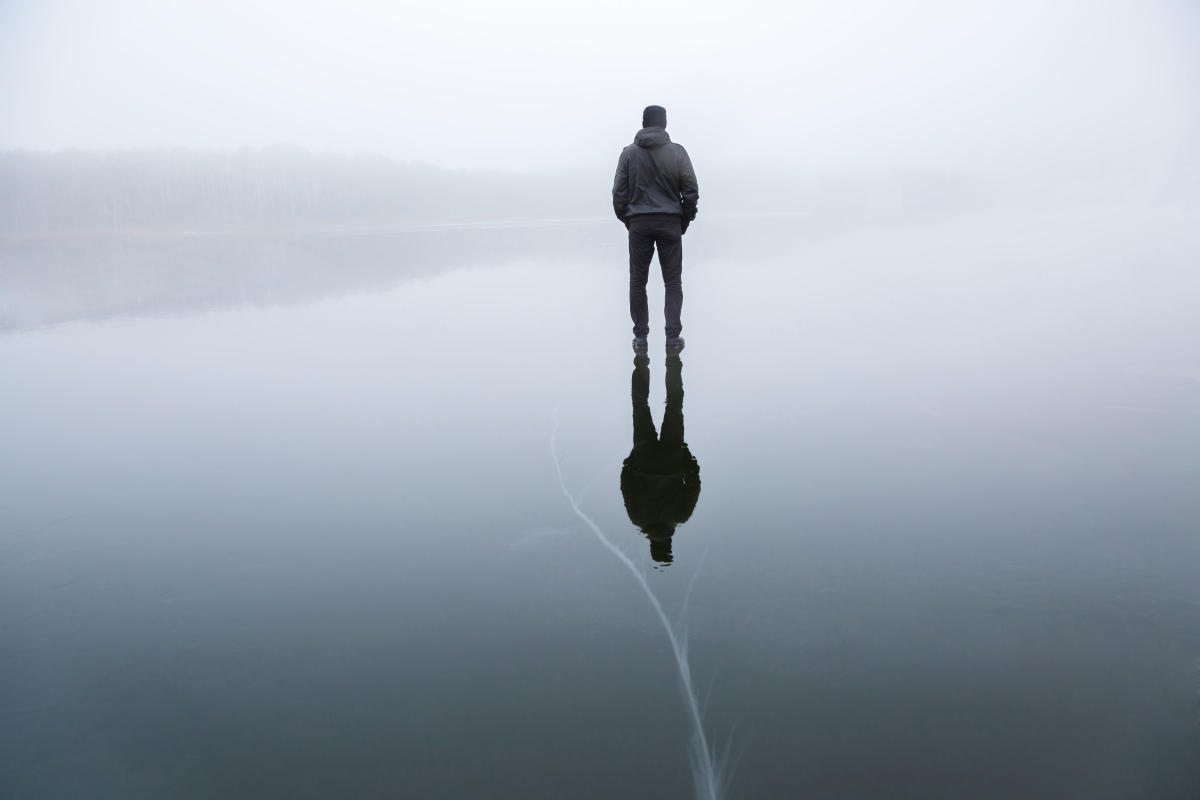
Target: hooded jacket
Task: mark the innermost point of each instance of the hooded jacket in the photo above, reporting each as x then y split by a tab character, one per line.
654	176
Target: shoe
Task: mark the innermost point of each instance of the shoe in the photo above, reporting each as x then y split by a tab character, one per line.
675	345
640	344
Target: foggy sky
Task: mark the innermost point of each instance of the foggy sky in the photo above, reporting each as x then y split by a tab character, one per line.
533	84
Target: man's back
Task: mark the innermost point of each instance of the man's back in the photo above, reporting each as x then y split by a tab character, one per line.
655	176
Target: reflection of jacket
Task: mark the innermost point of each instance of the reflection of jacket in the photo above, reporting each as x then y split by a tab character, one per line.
660	480
655	176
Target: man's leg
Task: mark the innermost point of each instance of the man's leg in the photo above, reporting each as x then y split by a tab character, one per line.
669	236
641	251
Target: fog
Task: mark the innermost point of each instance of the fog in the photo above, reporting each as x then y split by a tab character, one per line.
328	470
382	113
989	87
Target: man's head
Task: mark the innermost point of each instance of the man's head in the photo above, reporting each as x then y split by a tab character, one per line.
654	117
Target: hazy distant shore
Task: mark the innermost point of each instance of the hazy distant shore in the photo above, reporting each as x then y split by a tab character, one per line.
283	190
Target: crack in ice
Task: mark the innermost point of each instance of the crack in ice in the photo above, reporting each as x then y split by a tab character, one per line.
704	770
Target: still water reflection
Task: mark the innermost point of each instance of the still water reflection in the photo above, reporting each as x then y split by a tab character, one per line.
660	480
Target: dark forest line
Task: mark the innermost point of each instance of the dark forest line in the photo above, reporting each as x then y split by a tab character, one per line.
286	189
249	189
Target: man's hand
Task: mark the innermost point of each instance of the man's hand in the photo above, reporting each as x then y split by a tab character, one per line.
683	226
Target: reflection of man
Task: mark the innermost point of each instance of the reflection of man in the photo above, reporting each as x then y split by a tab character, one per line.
655	194
661	479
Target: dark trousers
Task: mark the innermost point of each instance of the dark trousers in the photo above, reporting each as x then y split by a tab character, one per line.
645	232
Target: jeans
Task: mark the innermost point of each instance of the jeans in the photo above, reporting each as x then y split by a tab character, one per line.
646	231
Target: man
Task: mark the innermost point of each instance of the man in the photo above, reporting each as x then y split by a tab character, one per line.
655	194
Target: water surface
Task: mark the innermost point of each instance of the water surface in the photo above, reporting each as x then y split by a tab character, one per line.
281	518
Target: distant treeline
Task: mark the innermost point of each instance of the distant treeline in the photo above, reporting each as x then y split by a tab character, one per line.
273	187
291	189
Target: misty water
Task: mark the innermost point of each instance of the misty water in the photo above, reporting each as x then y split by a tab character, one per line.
281	516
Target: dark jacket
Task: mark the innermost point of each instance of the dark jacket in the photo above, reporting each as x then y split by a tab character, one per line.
654	176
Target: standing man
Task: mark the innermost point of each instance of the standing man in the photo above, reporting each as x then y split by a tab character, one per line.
655	194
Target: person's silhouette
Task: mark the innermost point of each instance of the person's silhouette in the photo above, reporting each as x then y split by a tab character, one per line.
660	480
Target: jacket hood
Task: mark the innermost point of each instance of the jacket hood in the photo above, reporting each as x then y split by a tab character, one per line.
651	137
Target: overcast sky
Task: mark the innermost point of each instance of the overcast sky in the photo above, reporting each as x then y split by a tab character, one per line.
523	84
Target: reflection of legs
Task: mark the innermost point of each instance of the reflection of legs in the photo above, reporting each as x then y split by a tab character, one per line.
670	258
641	250
672	424
643	422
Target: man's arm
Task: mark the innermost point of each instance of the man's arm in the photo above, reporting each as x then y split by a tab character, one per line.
620	189
689	189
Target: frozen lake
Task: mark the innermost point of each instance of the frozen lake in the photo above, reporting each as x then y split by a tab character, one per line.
280	517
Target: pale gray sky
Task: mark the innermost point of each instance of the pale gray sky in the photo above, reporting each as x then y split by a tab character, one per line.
524	84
